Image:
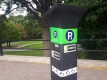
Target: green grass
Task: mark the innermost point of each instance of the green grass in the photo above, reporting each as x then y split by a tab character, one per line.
25	53
20	43
81	55
34	46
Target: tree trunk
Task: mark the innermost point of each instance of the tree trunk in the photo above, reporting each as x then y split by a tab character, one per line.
45	6
7	44
46	36
45	28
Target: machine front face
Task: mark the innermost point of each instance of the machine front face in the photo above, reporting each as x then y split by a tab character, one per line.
63	20
63	53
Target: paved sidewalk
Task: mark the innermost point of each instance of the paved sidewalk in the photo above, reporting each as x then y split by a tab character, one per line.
46	60
38	68
11	70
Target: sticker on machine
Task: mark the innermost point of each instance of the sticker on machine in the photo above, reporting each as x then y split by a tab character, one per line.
69	48
65	72
55	55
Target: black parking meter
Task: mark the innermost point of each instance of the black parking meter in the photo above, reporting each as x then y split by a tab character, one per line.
63	20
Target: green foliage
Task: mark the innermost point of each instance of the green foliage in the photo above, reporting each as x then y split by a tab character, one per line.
33	27
81	55
3	28
12	32
30	27
18	19
9	30
93	26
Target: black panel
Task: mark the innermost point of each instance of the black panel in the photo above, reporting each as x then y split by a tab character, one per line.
67	61
63	16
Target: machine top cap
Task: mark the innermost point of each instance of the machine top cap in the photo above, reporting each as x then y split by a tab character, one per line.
63	16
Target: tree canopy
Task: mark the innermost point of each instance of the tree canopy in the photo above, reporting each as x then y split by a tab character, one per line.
32	27
92	25
9	30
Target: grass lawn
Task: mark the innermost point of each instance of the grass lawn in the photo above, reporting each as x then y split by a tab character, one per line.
39	45
33	44
25	53
20	43
81	55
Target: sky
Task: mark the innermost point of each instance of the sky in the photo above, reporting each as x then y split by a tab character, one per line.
14	11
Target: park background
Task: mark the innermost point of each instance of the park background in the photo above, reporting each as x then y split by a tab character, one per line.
14	29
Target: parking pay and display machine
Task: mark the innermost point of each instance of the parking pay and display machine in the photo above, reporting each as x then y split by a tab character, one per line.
63	21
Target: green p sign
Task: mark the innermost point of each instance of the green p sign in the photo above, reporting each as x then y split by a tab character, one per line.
63	36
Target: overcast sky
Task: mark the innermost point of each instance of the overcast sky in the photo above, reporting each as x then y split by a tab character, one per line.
14	11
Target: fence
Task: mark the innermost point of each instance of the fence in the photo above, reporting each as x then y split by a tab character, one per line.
82	40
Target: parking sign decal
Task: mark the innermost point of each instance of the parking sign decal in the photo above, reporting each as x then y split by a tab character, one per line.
55	34
63	36
69	35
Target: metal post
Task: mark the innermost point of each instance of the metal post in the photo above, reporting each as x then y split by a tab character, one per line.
9	43
1	52
63	20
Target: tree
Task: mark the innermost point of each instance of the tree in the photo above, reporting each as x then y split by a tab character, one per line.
18	19
34	7
9	30
20	22
95	16
93	26
13	32
3	28
32	26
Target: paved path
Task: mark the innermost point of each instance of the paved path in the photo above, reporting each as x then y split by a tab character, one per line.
11	70
38	68
12	50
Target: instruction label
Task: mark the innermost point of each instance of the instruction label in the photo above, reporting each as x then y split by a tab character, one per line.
69	48
55	55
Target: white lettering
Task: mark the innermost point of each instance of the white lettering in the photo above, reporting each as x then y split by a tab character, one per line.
70	35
